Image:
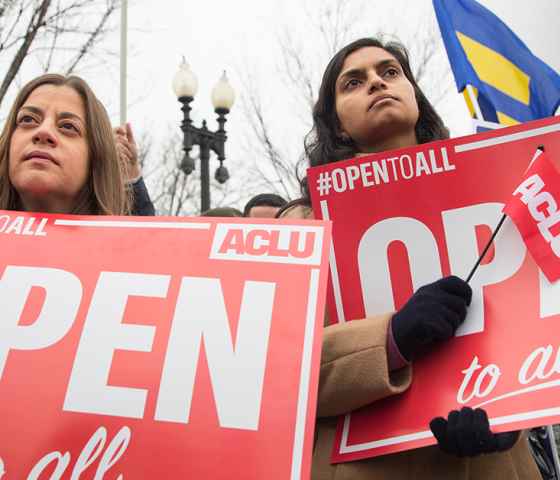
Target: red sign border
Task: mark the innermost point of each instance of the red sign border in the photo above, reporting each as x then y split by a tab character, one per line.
304	420
335	305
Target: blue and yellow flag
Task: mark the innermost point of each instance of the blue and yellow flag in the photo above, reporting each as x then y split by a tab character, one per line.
508	84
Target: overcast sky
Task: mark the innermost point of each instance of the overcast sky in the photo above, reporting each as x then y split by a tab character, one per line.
218	34
215	34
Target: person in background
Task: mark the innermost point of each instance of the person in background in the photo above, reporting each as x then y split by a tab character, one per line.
128	154
57	152
222	212
264	205
370	102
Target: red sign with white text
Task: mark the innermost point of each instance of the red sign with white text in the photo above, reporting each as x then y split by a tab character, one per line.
533	208
405	218
159	347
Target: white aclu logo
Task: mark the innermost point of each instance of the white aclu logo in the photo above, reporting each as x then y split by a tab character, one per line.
269	243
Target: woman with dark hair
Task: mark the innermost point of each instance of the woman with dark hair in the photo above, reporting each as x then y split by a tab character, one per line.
370	102
327	142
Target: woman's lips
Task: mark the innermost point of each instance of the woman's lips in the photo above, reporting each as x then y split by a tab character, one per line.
40	155
380	99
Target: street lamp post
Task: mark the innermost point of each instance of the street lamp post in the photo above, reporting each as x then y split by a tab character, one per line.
185	86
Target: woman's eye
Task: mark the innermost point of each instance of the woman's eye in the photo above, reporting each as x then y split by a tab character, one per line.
351	83
392	72
26	120
69	126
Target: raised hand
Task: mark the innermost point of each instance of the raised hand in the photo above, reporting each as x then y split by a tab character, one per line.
128	152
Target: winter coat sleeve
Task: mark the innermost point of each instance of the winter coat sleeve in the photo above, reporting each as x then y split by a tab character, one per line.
354	365
142	203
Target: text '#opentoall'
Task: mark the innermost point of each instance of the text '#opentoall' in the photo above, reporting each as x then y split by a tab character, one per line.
370	173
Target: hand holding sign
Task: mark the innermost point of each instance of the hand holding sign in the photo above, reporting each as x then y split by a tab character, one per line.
431	316
466	433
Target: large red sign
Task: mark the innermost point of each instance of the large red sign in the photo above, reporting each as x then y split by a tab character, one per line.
158	348
405	218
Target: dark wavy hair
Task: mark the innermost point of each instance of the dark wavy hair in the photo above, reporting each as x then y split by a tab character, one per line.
264	200
323	144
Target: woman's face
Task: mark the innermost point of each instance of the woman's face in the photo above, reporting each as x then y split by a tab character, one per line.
49	156
375	102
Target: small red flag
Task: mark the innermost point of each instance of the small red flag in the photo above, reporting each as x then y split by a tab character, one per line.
533	208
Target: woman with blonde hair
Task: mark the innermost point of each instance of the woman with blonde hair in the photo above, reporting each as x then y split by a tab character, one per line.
57	152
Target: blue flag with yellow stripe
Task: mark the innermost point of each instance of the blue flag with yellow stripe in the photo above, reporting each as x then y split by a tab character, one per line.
508	84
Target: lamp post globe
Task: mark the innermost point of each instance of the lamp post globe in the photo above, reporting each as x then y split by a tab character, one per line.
185	83
223	95
185	86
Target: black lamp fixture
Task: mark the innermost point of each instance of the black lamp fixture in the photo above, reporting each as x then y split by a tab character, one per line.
185	85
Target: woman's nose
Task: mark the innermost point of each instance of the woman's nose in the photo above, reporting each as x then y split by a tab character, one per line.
376	82
44	135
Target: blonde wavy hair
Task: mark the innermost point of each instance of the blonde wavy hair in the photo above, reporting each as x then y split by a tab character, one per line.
104	192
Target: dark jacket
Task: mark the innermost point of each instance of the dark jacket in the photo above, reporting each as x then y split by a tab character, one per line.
142	204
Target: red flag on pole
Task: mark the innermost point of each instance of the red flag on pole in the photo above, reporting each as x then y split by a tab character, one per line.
533	207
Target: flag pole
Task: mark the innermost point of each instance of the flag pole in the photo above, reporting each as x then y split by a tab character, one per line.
487	247
478	118
540	149
474	101
123	58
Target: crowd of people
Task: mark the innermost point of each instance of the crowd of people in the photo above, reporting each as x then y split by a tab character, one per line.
59	154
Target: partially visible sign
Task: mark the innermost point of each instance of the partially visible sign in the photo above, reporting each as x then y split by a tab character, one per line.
149	348
405	218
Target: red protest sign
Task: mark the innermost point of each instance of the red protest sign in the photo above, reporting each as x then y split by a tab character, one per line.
159	348
533	208
405	218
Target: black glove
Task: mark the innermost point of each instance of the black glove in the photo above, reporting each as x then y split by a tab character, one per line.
431	315
467	433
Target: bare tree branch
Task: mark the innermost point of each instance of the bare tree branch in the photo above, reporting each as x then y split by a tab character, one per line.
15	22
52	47
57	34
94	35
36	22
282	169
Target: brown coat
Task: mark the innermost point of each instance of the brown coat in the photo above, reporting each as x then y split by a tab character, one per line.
354	373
